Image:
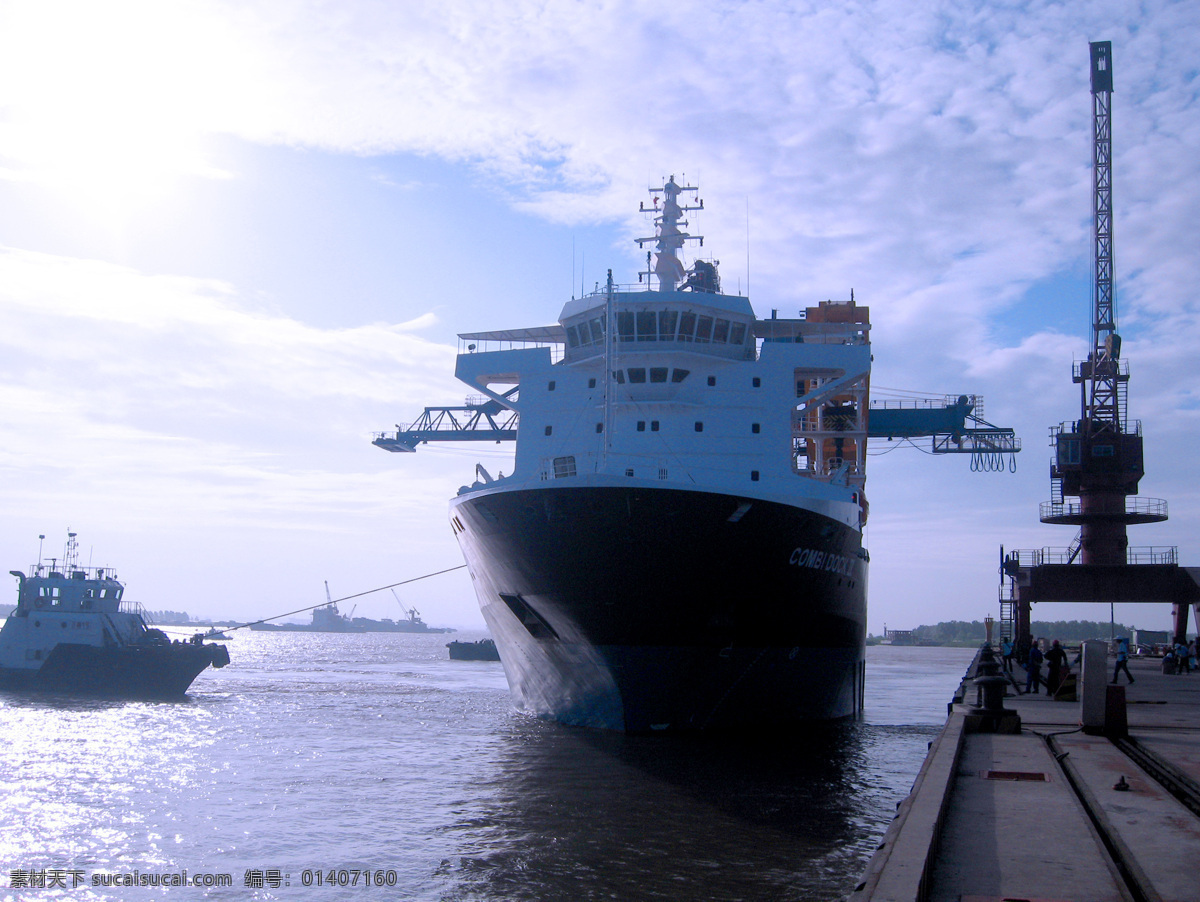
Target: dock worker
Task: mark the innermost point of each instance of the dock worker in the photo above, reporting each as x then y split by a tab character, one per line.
1033	668
1122	659
1056	667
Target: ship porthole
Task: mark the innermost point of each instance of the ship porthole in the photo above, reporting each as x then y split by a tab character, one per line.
792	654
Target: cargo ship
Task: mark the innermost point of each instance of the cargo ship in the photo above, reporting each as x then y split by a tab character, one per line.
680	543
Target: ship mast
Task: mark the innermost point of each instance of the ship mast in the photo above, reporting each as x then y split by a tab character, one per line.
667	266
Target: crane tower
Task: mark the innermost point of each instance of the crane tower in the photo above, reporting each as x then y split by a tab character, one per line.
1098	458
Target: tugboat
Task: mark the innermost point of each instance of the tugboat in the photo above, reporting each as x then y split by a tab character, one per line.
71	632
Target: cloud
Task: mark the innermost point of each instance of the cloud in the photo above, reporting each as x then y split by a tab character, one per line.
173	380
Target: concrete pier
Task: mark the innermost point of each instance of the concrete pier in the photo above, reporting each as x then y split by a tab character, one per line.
1051	812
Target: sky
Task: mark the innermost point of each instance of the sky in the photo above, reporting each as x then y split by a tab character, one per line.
238	238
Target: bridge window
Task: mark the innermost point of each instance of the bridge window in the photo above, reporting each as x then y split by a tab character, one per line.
667	320
597	330
721	331
687	326
625	325
647	327
704	326
619	375
658	374
637	374
678	375
737	334
573	336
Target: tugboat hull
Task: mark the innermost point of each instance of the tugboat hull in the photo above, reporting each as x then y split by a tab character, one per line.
637	609
147	671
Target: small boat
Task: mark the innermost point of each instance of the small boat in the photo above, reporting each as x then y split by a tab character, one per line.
482	650
72	632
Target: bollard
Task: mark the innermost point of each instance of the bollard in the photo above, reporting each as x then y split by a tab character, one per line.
990	685
989	714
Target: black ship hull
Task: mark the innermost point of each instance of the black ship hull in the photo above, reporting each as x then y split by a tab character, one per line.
128	671
637	609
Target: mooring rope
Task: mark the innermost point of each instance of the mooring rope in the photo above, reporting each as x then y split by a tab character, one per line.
403	582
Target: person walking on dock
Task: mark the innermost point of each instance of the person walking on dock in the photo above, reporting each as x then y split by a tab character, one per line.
1007	650
1033	668
1056	667
1122	659
1182	654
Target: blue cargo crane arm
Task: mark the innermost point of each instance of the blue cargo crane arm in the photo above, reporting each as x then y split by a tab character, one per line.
955	425
478	420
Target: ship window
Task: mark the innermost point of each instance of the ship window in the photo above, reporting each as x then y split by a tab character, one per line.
1102	451
625	325
712	380
654	425
564	466
662	472
599	427
666	324
549	430
658	374
721	331
550	387
641	425
619	375
737	334
647	326
678	375
754	475
704	326
597	331
756	382
629	471
755	428
687	326
699	426
637	374
591	383
572	337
